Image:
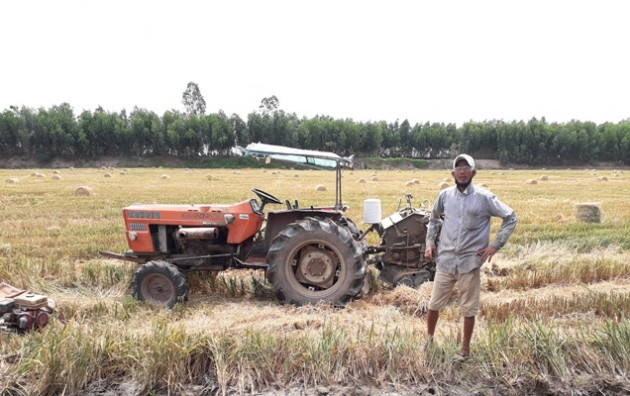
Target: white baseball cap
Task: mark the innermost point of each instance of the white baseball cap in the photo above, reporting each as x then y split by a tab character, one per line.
465	157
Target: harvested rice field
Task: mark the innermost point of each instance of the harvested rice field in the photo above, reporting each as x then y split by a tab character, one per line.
554	306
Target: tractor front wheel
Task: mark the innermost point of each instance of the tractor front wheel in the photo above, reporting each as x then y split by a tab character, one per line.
315	260
160	283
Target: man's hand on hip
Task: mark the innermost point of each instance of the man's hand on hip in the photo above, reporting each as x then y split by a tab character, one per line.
487	253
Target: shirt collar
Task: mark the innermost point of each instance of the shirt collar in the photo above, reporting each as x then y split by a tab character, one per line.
468	189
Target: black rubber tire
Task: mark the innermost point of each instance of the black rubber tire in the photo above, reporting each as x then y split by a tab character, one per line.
324	234
159	283
355	231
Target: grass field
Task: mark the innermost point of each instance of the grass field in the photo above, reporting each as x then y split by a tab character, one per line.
554	309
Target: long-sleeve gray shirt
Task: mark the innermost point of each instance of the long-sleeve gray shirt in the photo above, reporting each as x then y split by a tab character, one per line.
466	227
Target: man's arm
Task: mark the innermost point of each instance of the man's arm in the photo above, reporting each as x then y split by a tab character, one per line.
438	209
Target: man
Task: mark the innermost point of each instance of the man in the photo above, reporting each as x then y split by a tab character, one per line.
464	245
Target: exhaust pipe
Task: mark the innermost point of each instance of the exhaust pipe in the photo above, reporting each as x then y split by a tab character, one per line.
197	233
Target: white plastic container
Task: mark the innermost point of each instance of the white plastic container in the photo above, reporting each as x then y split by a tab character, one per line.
372	211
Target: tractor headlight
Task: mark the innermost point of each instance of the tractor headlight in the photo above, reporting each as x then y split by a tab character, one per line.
133	235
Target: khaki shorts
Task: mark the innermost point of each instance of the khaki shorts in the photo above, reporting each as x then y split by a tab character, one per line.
469	285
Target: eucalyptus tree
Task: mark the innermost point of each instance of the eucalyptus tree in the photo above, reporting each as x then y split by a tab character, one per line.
13	133
193	100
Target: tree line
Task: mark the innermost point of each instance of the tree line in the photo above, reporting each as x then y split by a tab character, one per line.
45	134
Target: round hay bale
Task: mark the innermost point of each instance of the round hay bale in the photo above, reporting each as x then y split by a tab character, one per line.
56	172
296	175
484	185
361	180
13	180
531	181
107	174
56	177
275	173
588	212
40	175
83	191
264	171
443	185
602	178
237	172
445	179
34	174
54	230
123	173
320	187
164	176
409	183
374	178
544	178
416	181
209	176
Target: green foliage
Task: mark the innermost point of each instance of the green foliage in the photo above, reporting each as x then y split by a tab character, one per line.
193	100
46	134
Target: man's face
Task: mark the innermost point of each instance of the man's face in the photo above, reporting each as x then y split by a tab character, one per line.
462	173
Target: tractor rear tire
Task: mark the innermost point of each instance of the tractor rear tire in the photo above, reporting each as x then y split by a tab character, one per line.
315	246
160	283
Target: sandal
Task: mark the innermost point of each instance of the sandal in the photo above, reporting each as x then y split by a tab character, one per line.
461	357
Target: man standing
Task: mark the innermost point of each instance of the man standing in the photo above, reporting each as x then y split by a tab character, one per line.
464	245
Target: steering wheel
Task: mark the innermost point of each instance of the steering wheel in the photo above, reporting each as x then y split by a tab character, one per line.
265	197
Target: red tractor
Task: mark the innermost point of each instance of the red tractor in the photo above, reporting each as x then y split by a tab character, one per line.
310	254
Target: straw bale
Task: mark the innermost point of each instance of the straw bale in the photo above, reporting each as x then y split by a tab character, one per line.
320	187
416	181
531	181
588	212
237	172
544	178
13	180
123	173
409	183
602	178
83	191
296	175
374	178
209	176
408	300
56	172
484	185
34	174
443	185
40	175
165	176
5	248
107	174
56	177
362	180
